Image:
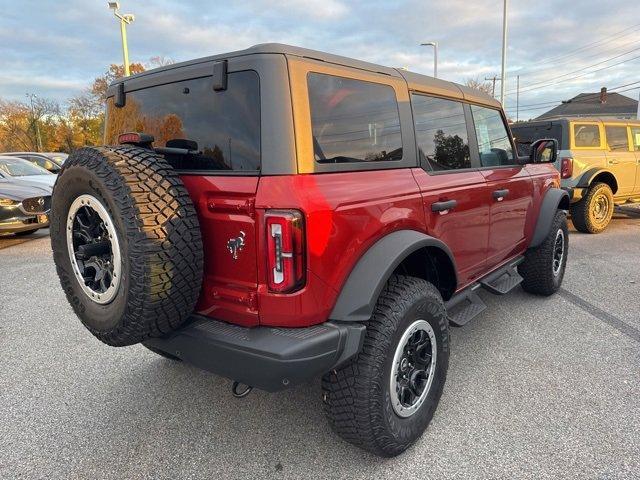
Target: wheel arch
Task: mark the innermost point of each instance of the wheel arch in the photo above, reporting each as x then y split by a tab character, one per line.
554	199
405	251
598	175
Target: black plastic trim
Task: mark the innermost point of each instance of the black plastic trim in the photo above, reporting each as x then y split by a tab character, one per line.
367	279
548	209
587	177
268	358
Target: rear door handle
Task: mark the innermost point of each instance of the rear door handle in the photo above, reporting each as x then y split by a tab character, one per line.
500	194
613	161
443	207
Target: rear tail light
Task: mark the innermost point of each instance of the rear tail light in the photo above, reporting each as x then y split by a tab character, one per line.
285	250
566	167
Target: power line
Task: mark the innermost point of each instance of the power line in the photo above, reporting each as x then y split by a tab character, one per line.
583	99
578	76
606	39
583	68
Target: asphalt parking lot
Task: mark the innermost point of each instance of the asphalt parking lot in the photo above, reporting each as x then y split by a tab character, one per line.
537	388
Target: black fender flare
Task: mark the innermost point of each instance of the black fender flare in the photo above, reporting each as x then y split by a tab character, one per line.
367	279
548	208
587	177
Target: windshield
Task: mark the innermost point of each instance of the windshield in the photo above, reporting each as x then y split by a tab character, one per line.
15	167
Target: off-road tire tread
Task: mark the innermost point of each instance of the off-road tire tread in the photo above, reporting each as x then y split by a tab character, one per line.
536	269
352	394
163	241
580	210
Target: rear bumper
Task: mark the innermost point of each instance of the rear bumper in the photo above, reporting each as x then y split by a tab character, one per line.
268	358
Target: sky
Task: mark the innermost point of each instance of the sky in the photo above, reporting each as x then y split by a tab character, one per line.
55	48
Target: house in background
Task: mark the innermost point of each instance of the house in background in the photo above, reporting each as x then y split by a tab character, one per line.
601	105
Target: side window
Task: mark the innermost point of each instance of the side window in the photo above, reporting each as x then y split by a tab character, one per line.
586	135
441	132
353	120
635	133
617	139
493	138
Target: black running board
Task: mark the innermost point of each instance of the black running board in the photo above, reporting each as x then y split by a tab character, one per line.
464	307
504	279
467	304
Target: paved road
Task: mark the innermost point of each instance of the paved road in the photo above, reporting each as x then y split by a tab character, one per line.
537	388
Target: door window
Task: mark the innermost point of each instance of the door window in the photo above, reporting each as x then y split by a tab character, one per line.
586	136
617	139
494	143
441	132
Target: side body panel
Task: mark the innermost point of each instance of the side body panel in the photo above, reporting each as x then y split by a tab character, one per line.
622	163
508	224
544	176
465	228
345	213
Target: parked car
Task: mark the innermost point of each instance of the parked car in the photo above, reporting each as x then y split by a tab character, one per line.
24	209
25	172
51	161
599	162
287	213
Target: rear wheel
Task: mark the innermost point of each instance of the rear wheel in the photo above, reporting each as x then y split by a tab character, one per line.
384	399
126	243
593	213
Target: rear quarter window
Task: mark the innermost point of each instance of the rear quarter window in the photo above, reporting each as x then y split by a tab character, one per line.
353	121
220	129
586	136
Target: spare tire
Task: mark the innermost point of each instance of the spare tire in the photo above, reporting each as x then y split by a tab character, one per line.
126	243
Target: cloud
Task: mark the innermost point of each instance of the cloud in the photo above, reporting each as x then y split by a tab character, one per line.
59	48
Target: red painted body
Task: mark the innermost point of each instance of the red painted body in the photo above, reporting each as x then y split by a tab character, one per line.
346	213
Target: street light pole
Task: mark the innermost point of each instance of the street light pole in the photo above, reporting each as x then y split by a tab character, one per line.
125	19
504	52
435	56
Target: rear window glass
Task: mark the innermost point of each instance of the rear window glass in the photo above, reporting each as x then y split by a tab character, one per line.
207	130
353	120
441	132
617	139
586	135
526	135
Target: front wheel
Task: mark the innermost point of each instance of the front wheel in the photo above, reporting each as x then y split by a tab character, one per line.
544	266
384	399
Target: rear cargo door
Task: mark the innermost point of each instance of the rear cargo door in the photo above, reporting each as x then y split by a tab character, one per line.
226	211
210	132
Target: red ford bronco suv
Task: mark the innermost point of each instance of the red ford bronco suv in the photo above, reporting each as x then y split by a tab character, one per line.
277	214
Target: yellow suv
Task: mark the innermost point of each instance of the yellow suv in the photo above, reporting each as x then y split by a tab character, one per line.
599	162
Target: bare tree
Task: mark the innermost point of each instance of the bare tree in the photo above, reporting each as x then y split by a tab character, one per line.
478	84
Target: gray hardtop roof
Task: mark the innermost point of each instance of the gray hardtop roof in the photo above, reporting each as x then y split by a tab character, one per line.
414	80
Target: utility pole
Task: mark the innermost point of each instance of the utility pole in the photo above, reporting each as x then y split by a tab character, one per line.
493	88
435	56
518	98
125	19
31	96
504	52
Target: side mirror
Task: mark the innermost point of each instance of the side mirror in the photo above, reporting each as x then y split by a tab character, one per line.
544	150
